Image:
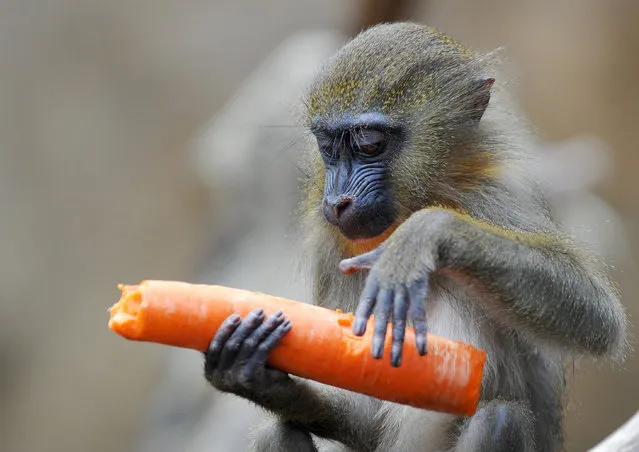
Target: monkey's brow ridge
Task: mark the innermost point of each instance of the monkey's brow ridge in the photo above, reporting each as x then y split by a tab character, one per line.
371	119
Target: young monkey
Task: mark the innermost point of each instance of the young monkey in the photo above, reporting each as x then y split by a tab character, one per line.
420	178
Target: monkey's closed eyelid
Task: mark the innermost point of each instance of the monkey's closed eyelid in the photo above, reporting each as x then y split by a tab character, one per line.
326	146
370	142
368	137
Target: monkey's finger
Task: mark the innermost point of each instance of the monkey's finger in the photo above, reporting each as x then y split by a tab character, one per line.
382	314
366	304
259	357
257	336
212	354
418	292
234	343
362	262
400	311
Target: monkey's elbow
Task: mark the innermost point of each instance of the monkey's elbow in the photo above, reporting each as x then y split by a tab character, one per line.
609	339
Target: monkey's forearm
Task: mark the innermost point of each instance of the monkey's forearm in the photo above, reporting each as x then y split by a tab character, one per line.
535	279
328	412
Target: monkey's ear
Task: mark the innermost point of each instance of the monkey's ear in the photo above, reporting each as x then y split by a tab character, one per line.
480	97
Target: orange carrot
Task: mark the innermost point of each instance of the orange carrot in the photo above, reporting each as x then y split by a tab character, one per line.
319	347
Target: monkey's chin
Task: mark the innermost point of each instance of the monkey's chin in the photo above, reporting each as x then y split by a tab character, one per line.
368	240
359	236
360	245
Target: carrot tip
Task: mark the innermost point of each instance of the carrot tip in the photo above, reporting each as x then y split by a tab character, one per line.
124	314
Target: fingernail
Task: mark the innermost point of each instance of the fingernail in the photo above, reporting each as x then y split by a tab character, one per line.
359	327
287	325
396	355
377	349
421	345
396	362
235	318
258	312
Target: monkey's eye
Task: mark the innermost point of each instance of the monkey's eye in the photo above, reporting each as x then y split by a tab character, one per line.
369	142
326	145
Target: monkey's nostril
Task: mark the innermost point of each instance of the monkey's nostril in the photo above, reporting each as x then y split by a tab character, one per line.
342	204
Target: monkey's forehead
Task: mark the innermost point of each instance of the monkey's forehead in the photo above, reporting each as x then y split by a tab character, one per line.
347	120
391	68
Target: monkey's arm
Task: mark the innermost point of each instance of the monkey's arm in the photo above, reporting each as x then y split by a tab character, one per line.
498	426
236	363
535	281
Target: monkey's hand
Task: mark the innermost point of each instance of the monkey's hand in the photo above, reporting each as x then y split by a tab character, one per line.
235	361
397	283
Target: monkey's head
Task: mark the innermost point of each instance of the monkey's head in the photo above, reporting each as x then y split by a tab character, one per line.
386	112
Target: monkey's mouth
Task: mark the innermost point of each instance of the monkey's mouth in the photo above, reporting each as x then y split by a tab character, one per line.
360	220
363	233
364	228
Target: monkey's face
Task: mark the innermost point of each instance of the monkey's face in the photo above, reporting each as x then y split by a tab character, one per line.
386	111
356	154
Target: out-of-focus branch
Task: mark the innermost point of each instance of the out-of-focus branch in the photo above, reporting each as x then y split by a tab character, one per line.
624	439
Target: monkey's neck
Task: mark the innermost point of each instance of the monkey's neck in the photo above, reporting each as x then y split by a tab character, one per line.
355	247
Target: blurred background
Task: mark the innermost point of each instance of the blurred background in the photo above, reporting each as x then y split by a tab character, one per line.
157	139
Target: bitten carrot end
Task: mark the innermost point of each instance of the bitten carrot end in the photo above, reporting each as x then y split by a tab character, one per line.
124	314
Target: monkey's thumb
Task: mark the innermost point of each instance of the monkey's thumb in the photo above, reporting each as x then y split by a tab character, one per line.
362	262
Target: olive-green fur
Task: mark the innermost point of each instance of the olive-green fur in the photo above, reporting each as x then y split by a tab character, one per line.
396	71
